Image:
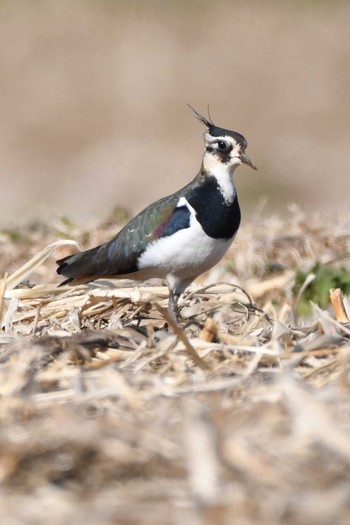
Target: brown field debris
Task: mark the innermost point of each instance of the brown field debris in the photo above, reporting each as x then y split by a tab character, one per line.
109	417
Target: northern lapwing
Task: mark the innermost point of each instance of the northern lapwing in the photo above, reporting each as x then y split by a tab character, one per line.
179	236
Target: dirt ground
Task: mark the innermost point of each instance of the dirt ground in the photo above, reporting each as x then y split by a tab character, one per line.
240	415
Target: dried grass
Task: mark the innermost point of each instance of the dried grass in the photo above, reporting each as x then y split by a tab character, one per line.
240	415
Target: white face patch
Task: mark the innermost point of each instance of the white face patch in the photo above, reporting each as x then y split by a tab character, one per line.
223	172
235	151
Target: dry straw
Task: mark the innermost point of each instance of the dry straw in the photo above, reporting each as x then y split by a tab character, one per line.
239	415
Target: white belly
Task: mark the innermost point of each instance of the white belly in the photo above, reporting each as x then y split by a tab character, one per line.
185	254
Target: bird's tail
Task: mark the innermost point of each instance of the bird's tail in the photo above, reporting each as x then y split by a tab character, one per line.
80	266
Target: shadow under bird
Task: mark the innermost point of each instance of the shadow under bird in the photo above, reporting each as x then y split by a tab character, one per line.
179	236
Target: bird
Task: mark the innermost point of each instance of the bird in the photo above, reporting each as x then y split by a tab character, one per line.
179	236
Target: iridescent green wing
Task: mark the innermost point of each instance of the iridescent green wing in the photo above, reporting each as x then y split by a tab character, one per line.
120	255
158	220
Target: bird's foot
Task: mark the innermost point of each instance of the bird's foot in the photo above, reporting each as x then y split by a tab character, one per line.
173	306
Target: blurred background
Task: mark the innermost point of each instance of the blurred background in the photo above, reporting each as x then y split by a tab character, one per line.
93	102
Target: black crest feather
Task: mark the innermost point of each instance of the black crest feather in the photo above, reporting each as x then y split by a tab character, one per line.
208	123
215	131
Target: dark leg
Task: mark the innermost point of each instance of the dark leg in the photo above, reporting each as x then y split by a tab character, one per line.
172	307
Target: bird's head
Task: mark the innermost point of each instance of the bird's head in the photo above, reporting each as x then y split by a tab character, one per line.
223	147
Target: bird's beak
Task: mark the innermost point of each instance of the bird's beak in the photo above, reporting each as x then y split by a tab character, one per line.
246	160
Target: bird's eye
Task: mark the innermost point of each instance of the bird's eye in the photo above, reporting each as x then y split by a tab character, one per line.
222	145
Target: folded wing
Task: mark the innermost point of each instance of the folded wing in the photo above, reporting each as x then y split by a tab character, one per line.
120	255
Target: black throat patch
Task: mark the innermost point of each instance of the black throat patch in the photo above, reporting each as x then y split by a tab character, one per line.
218	219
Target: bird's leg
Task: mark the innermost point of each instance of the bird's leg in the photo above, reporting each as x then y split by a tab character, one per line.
172	306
